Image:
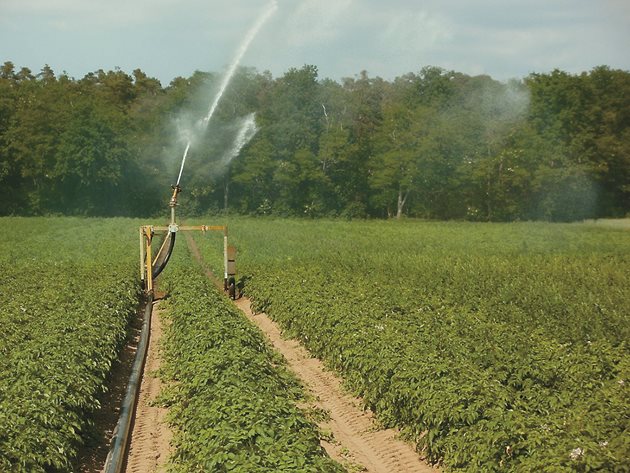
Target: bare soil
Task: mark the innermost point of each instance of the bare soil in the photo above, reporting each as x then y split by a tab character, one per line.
150	438
355	440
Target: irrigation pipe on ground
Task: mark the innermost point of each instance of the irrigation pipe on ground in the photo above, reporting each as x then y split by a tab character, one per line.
116	456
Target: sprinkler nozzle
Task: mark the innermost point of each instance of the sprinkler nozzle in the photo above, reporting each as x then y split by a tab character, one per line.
176	190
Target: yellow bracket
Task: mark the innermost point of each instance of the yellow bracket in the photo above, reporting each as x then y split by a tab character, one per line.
146	258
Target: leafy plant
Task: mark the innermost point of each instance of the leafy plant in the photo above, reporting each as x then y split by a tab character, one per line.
495	347
232	402
68	287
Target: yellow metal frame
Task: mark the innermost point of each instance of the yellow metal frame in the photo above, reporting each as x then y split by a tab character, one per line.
147	233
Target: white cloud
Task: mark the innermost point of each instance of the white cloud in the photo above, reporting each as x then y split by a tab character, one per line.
618	8
167	38
417	31
314	21
82	14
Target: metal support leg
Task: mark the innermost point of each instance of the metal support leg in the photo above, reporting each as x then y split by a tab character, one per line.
148	233
141	232
225	259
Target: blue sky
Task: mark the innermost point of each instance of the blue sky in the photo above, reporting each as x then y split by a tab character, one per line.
169	38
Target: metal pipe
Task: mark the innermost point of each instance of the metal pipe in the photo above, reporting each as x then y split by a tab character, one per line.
116	456
142	262
148	231
160	254
225	257
156	270
173	202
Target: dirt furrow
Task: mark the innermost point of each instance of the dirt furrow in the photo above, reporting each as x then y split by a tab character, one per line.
356	441
356	438
150	438
92	457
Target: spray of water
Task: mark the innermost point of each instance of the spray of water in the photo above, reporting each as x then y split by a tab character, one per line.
271	8
251	34
181	169
245	133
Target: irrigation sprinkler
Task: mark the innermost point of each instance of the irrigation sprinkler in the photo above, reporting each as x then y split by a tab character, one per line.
151	267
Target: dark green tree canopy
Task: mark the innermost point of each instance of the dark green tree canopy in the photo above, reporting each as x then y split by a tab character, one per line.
432	144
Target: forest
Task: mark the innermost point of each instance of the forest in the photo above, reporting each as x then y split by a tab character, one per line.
432	144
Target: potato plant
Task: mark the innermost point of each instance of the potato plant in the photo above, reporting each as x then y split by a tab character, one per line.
231	401
67	290
496	347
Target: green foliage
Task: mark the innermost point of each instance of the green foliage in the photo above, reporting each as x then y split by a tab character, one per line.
495	347
231	400
67	290
433	144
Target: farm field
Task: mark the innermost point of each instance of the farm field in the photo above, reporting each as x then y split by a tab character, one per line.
231	399
496	347
68	287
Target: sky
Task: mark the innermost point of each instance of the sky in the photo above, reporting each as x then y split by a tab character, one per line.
388	38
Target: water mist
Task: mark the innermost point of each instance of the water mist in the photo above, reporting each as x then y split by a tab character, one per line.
245	133
251	34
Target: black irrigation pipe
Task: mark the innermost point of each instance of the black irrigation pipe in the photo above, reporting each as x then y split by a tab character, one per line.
160	265
120	442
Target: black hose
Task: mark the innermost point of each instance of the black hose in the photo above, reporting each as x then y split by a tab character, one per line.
116	457
162	260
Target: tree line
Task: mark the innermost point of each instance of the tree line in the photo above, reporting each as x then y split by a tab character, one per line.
434	144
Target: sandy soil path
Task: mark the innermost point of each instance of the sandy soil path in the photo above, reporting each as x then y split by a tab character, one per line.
150	438
356	441
356	438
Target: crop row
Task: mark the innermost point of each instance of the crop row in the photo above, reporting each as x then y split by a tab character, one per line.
232	403
67	289
495	347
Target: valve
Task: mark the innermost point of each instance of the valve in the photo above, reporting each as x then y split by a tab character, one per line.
173	203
